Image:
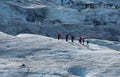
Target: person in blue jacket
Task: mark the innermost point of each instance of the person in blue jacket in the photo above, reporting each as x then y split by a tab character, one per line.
83	40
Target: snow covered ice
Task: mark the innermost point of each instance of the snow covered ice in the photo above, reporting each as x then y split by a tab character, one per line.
49	57
25	51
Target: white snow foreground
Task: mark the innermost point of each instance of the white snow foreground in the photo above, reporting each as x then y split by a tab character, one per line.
30	55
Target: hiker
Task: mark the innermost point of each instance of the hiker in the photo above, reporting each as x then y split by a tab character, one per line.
59	36
80	40
87	42
72	38
83	40
67	37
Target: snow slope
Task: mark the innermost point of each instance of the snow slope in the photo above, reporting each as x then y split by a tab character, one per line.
48	57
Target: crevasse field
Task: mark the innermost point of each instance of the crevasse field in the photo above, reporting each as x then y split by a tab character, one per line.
27	55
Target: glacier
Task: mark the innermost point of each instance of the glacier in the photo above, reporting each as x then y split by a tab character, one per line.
45	17
28	32
48	57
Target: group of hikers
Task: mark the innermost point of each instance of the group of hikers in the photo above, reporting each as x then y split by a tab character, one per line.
81	40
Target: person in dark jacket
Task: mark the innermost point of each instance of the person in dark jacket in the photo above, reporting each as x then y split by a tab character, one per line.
59	36
72	38
67	37
87	42
80	40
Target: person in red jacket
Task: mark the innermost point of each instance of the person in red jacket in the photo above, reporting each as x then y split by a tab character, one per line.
66	37
72	38
59	36
80	39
